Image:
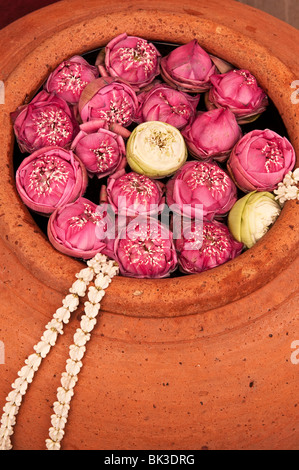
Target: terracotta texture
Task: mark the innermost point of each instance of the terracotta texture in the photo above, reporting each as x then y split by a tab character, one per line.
187	363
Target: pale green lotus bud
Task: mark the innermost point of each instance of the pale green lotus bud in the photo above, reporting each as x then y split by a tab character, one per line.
252	216
156	149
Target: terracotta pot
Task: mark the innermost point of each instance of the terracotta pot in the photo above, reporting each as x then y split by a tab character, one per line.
195	362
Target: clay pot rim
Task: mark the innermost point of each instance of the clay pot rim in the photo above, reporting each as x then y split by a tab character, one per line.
153	298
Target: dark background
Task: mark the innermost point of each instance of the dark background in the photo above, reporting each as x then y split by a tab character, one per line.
11	10
286	10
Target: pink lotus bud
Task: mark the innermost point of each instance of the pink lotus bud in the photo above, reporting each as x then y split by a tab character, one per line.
133	194
46	121
101	150
205	246
163	103
131	58
201	187
80	229
109	99
145	249
49	178
238	91
188	68
70	78
212	135
260	161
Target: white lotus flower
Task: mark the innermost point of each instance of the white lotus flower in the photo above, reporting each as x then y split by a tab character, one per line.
156	149
252	216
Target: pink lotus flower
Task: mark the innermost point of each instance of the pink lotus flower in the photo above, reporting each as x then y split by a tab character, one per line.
163	103
238	91
101	150
80	229
206	246
201	188
133	194
109	99
131	58
50	178
212	135
145	249
46	121
70	78
261	160
188	68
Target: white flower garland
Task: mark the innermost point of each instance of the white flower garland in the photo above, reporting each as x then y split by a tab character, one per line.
104	270
288	189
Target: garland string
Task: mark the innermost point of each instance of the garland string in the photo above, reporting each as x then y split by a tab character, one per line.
104	270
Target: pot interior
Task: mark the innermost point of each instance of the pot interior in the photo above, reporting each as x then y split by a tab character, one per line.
269	119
